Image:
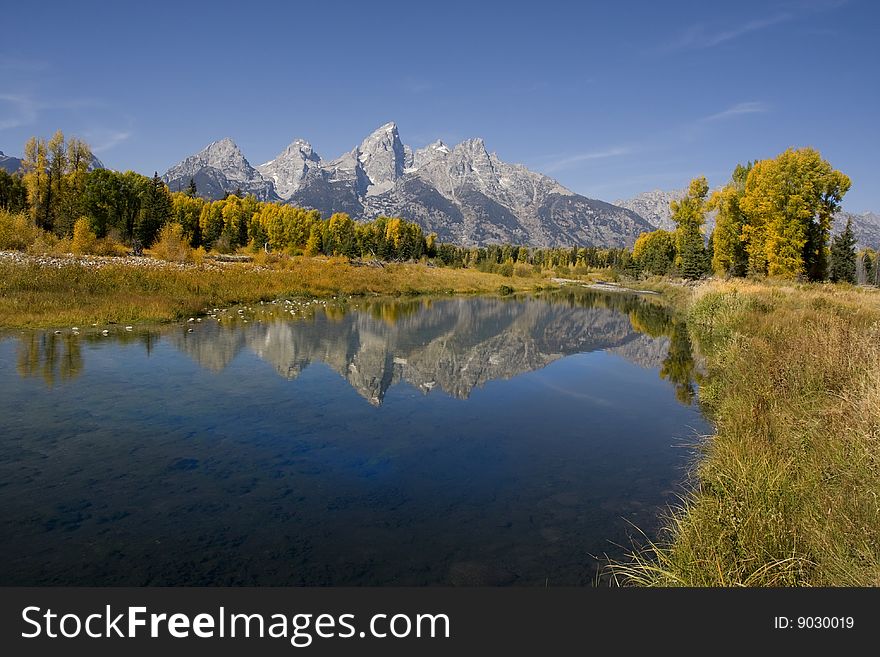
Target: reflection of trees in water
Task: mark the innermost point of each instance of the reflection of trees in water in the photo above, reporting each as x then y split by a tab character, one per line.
53	357
58	358
655	320
149	341
652	319
479	326
678	366
392	311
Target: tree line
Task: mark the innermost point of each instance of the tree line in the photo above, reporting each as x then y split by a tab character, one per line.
59	192
62	195
500	258
773	218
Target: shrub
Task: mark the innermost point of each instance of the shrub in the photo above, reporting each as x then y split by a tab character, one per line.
263	258
48	243
171	245
222	245
17	232
84	239
198	255
110	247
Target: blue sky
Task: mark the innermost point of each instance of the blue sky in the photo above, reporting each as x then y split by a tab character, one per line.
610	98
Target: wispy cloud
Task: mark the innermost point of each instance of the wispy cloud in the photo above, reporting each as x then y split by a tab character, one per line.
624	188
698	37
751	107
698	127
105	140
17	110
571	160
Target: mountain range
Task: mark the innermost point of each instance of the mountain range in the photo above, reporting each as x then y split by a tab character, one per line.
464	193
12	164
454	345
9	163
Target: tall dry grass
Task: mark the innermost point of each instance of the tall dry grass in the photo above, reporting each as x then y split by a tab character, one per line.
786	493
34	295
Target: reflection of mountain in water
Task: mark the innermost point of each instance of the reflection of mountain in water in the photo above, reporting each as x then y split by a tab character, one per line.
212	347
455	344
644	351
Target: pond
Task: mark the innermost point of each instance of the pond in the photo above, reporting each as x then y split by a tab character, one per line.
454	441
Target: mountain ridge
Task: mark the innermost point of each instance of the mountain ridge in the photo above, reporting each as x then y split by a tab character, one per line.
464	193
13	164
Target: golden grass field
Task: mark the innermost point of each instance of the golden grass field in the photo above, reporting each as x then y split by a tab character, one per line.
787	493
33	295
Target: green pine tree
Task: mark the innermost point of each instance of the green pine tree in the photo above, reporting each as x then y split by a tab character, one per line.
314	244
689	215
843	256
155	212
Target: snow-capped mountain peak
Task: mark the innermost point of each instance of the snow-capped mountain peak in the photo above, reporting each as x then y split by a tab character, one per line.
218	169
382	157
464	193
289	168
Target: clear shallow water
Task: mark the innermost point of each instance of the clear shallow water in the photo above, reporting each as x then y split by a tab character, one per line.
464	441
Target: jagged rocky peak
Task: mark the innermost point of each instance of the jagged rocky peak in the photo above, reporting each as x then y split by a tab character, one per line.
94	163
290	167
429	153
437	147
474	145
653	206
302	148
223	155
473	153
217	169
9	163
470	161
382	156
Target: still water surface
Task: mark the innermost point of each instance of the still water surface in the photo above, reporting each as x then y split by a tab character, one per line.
462	441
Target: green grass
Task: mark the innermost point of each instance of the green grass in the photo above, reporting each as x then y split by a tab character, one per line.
786	492
35	296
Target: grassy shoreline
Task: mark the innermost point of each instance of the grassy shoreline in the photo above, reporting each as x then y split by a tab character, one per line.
786	492
68	292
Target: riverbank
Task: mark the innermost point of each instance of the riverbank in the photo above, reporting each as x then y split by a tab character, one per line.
58	291
786	492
